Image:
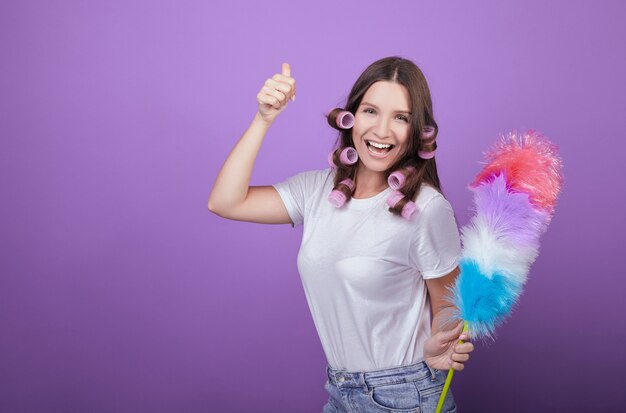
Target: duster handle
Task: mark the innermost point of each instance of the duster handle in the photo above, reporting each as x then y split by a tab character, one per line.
446	386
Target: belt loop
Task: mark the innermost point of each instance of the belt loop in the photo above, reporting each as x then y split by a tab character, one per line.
433	373
362	380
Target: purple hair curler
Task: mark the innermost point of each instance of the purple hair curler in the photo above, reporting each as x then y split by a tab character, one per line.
338	198
349	156
408	209
397	179
426	155
345	120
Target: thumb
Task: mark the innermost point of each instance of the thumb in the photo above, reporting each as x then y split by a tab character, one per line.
452	334
286	69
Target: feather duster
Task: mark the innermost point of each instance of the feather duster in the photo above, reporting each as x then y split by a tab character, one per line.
514	200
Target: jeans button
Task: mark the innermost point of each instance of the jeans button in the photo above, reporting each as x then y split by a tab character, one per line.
340	379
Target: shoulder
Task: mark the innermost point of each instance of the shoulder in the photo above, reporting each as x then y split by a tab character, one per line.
309	180
433	207
320	174
430	198
316	177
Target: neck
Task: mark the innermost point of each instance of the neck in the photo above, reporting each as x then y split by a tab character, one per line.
368	183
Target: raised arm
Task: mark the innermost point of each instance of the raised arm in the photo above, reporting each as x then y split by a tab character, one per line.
231	196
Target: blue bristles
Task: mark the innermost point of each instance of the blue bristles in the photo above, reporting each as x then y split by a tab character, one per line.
484	300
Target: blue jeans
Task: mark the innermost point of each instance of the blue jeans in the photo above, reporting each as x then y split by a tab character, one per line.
409	389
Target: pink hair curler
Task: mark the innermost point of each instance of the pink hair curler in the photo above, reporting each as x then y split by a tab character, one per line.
393	199
345	120
330	160
427	132
338	198
349	156
397	179
408	209
349	183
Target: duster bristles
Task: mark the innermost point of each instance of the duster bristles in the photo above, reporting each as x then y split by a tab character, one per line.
514	199
531	164
510	215
484	302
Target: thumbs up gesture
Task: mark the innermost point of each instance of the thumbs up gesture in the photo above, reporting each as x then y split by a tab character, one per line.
276	93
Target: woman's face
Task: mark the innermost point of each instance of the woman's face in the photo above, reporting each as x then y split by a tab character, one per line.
383	118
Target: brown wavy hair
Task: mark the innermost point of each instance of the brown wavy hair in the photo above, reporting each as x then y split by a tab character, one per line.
405	72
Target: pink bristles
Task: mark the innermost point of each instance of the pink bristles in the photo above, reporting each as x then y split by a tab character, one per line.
531	165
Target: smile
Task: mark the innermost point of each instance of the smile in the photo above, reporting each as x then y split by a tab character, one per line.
378	150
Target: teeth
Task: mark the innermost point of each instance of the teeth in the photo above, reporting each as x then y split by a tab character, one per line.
379	145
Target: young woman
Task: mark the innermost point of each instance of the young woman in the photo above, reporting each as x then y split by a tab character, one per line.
380	242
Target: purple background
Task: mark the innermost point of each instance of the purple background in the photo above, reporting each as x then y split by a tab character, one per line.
120	292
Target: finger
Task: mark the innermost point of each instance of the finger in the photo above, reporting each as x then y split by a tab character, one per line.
464	348
286	69
278	85
273	97
266	99
460	357
450	335
278	94
281	79
285	79
287	88
457	366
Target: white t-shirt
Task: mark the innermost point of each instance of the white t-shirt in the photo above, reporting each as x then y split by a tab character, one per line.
363	270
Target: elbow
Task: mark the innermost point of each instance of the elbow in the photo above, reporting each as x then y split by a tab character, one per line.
213	208
218	210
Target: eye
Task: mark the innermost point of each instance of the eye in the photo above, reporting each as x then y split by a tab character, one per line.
370	110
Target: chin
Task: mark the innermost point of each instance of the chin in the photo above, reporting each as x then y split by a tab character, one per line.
376	166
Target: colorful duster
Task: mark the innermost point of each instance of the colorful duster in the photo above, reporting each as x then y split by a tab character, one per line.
514	200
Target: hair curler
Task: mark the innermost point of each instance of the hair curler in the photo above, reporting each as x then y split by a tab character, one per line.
330	160
337	197
428	132
345	120
397	179
349	156
408	209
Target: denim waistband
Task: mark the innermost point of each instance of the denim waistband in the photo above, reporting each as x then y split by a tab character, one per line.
344	378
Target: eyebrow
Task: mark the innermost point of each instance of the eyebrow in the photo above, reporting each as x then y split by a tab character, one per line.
397	111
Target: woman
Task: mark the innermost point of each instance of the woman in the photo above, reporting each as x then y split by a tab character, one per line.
375	262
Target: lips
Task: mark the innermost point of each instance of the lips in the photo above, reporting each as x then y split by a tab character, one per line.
367	142
378	153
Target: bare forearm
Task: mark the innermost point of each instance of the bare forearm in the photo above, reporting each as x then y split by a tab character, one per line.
443	309
231	185
442	317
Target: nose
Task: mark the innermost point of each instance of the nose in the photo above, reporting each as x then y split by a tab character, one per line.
382	128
